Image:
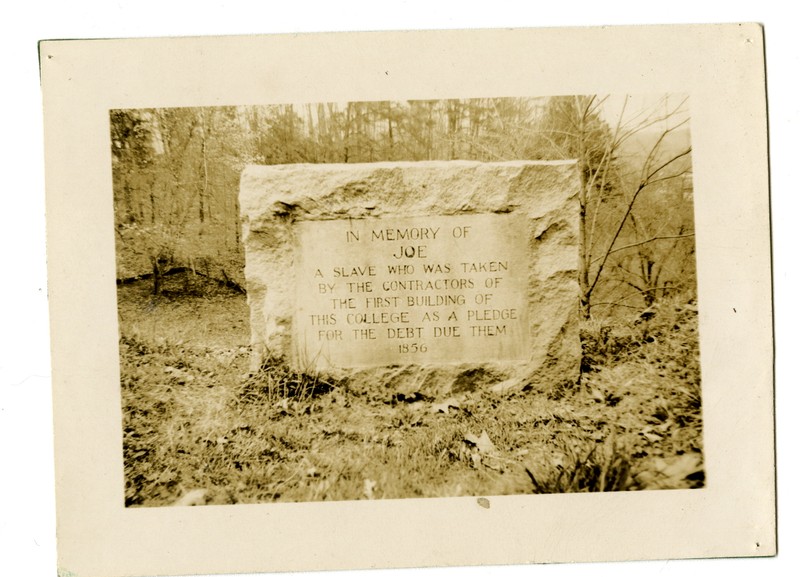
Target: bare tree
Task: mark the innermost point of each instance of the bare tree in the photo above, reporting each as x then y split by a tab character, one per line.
620	164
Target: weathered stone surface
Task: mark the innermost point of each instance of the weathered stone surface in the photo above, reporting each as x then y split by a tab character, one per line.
433	276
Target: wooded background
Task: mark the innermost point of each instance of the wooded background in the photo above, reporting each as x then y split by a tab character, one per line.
176	177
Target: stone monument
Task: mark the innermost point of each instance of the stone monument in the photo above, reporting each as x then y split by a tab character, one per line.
434	276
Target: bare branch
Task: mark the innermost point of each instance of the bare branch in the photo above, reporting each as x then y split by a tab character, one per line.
651	119
635	244
616	304
648	179
638	293
653	152
668	177
639	189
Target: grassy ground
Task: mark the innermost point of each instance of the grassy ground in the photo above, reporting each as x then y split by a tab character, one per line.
199	430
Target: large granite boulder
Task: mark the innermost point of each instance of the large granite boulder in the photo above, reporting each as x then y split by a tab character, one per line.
437	276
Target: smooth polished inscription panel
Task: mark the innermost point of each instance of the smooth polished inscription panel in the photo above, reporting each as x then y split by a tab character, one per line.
439	289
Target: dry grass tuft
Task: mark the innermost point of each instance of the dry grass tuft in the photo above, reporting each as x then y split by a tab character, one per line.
587	467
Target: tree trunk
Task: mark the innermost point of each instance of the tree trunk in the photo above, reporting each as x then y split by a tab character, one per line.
156	277
583	195
204	169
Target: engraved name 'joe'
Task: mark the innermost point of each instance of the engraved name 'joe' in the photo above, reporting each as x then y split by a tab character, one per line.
437	289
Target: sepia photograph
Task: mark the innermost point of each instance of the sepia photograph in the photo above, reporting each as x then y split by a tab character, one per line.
394	299
409	299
